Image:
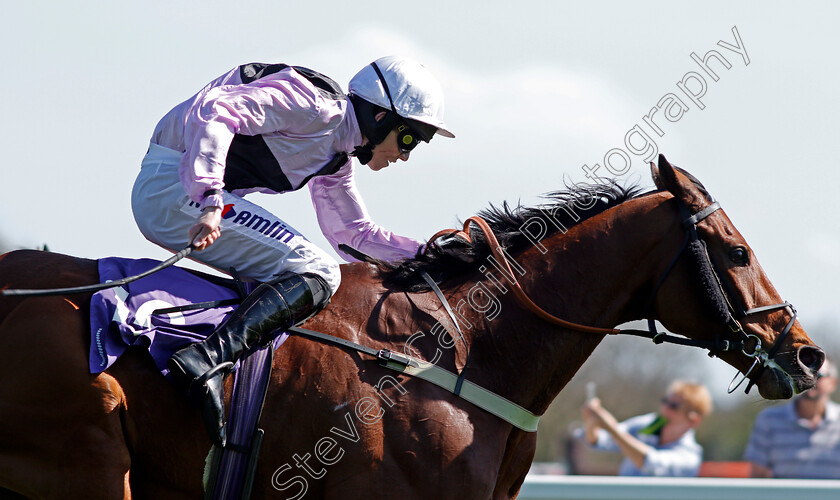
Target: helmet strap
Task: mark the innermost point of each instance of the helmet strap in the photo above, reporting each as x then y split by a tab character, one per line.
384	87
426	132
364	153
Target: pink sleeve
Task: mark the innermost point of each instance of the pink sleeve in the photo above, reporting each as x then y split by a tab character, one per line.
263	106
344	219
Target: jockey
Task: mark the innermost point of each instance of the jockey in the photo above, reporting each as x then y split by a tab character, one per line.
273	128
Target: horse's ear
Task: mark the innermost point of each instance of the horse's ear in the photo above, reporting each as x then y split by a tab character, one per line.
671	179
657	179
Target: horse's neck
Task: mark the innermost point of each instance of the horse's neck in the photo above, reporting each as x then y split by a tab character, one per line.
597	274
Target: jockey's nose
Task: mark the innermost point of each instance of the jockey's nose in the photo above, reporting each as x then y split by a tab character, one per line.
404	155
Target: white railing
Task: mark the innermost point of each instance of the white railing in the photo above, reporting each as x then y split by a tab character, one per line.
549	487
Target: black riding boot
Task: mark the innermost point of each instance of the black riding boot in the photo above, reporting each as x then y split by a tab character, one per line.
199	369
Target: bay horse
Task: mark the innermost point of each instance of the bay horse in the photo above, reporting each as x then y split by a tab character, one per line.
338	425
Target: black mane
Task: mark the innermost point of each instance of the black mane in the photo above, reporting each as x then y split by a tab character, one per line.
452	256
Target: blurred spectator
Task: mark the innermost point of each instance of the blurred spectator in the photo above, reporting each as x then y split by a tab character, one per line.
654	444
800	439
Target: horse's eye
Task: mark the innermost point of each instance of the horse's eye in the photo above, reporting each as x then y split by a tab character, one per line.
739	255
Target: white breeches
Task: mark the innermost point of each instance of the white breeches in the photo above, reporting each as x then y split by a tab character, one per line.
258	244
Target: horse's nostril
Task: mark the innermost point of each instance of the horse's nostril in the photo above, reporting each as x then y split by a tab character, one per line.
810	359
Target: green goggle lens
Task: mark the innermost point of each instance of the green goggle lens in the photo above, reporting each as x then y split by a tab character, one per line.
406	139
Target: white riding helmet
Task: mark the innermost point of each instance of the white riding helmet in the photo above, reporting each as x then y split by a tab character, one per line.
415	93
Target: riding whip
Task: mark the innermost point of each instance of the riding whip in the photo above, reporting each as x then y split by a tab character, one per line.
100	286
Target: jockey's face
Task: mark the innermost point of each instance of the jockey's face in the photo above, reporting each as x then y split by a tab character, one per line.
387	152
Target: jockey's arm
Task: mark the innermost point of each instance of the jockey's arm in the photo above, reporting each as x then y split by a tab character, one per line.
344	218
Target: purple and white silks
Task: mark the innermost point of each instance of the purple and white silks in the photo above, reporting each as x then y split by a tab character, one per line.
122	317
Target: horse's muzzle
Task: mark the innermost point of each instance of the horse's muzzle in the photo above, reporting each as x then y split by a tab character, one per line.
810	359
785	376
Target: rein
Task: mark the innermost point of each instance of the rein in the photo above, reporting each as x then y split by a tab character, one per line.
747	344
496	250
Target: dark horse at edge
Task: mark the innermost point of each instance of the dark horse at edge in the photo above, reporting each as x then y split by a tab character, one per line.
338	425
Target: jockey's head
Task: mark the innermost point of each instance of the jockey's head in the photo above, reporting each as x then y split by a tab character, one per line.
398	103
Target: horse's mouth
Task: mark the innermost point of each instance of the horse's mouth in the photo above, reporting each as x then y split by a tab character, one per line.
776	383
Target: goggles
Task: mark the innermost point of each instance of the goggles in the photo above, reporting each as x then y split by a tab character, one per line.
406	139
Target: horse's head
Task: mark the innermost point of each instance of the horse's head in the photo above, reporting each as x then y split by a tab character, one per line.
718	291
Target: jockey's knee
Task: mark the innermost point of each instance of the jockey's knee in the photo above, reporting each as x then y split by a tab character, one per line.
321	292
325	268
330	272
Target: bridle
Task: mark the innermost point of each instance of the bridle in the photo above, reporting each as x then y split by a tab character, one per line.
747	344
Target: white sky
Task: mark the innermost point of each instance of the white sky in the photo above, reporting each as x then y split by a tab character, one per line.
534	90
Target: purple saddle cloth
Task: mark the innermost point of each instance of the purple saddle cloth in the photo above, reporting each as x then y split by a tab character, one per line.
123	316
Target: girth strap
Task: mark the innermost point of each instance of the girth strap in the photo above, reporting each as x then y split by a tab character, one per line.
442	298
475	394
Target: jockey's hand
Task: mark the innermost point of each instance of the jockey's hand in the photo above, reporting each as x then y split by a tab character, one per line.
204	232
